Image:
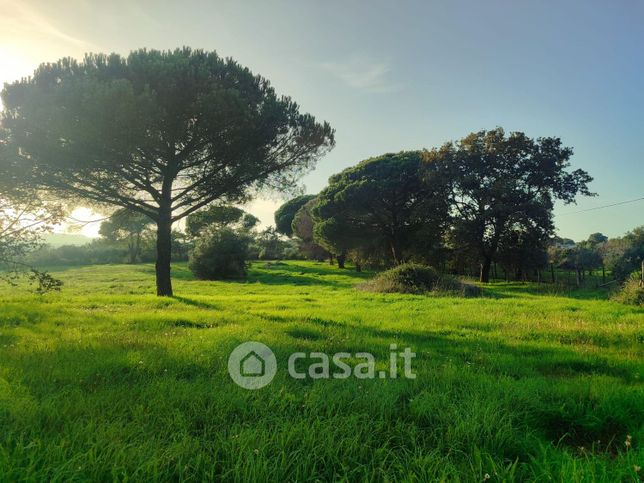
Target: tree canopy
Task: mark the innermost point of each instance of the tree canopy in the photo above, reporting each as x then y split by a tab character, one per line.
286	213
389	203
505	184
129	226
163	133
302	227
219	216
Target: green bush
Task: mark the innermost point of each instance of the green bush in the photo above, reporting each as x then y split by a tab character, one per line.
418	279
220	253
631	292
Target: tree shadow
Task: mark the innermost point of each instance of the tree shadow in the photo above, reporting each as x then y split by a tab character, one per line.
521	289
294	273
197	303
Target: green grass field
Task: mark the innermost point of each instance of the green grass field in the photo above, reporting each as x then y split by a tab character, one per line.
105	381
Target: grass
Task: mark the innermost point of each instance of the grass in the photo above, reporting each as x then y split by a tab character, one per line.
105	381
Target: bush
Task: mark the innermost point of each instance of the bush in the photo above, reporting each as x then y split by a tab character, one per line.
220	253
631	293
418	279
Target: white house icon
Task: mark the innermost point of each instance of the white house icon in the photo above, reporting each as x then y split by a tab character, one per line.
252	365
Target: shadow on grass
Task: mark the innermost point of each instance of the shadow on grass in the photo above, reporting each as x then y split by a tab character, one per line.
294	273
197	303
521	289
572	416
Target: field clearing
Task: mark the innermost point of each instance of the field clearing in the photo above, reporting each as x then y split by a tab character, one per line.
105	381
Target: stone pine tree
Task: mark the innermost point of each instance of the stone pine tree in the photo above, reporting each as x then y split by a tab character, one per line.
502	184
219	216
302	228
286	213
391	203
127	226
163	133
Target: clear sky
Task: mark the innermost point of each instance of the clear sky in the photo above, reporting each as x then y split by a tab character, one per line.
401	75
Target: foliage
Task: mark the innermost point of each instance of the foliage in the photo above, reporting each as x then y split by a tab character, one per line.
219	216
533	387
96	252
128	226
391	202
219	254
269	245
502	185
163	133
521	252
596	239
104	251
302	228
631	292
624	255
418	279
24	218
286	213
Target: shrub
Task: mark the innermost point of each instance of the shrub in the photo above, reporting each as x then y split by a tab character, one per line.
418	279
219	253
631	293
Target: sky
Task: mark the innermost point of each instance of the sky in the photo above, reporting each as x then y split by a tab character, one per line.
392	76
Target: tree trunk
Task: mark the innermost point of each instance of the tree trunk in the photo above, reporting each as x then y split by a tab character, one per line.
341	260
164	255
395	252
485	270
358	267
131	251
133	248
603	274
330	259
552	272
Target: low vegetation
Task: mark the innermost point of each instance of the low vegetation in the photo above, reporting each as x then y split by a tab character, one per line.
220	254
106	381
632	292
419	279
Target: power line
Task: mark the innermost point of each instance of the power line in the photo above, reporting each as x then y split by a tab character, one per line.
601	207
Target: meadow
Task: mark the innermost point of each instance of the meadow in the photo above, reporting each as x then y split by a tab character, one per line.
105	381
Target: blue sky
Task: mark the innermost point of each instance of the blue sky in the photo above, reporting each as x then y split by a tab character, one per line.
390	76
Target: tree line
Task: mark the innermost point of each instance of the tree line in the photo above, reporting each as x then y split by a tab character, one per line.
163	136
483	200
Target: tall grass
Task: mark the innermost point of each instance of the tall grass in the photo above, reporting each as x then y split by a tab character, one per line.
104	381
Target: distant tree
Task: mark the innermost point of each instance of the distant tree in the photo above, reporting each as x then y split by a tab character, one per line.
501	184
562	242
596	238
393	201
24	218
285	214
248	222
624	255
521	255
270	245
220	253
127	226
302	228
214	215
160	133
591	252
